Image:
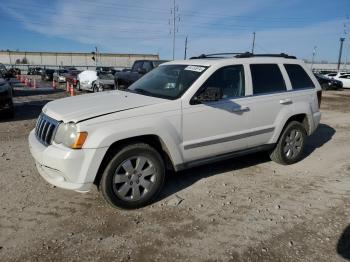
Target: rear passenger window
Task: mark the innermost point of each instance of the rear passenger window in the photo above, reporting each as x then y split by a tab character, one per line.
298	77
267	78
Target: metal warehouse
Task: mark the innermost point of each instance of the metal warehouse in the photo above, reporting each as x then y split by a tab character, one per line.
70	58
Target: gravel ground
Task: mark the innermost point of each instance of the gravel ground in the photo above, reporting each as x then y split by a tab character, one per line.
243	209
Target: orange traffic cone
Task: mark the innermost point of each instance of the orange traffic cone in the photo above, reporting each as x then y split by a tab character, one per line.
71	90
53	84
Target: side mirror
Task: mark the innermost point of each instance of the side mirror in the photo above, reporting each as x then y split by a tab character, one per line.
142	71
209	94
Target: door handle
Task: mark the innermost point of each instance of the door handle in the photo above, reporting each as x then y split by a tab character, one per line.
240	109
286	101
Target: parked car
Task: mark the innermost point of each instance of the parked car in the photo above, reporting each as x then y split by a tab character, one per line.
47	74
95	81
35	71
72	77
6	98
85	79
345	79
328	83
180	115
59	75
140	67
105	81
334	74
14	71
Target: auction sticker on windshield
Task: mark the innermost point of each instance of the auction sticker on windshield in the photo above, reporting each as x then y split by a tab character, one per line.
195	68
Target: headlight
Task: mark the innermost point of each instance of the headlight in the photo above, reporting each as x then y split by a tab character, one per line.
68	135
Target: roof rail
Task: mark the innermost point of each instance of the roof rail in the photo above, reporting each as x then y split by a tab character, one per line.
216	55
248	54
240	55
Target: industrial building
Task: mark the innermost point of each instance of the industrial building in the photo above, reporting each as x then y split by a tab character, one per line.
56	59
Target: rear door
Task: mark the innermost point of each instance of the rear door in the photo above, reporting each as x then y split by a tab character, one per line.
269	96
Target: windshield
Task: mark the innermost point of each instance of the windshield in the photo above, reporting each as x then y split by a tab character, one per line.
168	81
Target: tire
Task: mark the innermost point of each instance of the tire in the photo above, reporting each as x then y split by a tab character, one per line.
94	89
139	188
286	154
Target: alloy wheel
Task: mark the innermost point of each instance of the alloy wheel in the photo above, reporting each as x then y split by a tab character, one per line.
134	178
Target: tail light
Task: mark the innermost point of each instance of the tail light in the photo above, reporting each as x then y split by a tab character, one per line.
319	98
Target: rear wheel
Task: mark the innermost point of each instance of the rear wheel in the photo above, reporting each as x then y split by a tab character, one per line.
134	177
291	144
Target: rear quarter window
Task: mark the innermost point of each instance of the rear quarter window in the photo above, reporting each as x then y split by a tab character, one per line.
298	77
267	78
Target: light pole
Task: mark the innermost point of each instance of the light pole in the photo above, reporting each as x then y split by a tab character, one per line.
313	56
253	45
340	51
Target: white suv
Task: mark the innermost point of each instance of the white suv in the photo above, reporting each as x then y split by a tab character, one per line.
182	114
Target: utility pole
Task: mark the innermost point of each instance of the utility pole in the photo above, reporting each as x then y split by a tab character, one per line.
174	11
185	49
253	45
96	57
340	51
313	56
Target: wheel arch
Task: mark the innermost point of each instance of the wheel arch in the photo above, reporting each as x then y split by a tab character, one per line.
302	118
153	140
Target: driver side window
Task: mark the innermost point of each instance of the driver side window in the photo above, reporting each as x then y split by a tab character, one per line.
230	79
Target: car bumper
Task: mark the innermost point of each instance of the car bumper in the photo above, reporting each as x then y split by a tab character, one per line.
85	85
316	120
66	168
6	102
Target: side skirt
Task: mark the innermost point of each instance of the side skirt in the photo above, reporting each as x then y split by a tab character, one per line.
217	158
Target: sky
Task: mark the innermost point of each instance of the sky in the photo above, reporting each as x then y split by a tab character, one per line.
295	27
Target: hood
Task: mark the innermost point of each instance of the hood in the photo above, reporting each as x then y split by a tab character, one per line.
84	107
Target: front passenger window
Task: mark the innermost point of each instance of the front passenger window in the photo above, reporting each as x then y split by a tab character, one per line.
230	79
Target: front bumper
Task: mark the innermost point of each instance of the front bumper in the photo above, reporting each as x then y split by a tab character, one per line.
66	168
6	102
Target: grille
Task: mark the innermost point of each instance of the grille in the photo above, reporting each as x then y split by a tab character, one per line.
45	129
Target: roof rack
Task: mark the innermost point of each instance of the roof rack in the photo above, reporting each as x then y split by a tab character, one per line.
217	55
248	54
241	55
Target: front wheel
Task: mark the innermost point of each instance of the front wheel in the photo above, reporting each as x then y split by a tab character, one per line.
134	177
291	144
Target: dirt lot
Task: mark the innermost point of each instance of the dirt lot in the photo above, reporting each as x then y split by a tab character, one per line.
244	209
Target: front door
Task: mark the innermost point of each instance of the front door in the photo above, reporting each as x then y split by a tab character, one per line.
215	128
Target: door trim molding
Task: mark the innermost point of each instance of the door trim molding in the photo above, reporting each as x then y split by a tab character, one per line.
229	138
